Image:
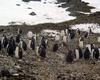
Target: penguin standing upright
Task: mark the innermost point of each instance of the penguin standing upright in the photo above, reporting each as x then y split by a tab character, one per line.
92	50
19	31
86	35
4	41
78	31
20	53
64	40
96	53
87	54
10	49
62	33
81	39
29	43
18	38
23	45
89	47
66	31
43	43
17	52
72	35
42	52
33	43
80	53
37	50
69	56
77	54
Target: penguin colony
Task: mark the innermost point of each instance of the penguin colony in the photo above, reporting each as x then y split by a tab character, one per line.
16	46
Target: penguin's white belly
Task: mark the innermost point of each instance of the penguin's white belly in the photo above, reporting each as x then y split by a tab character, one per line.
65	39
29	44
16	52
81	44
77	54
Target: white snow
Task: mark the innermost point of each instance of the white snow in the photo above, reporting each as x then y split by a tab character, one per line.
50	33
45	13
85	27
94	3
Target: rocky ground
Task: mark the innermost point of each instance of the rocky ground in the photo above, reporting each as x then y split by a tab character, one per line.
53	67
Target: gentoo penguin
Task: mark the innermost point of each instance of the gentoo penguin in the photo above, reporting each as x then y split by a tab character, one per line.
72	35
18	38
69	56
19	31
18	52
43	43
87	54
78	31
23	45
32	43
80	53
4	41
29	43
77	54
96	53
42	52
64	41
81	40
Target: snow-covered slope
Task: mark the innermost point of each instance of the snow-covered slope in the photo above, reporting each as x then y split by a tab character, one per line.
94	3
17	12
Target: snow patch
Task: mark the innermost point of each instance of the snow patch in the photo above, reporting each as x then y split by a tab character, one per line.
85	27
50	33
47	12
